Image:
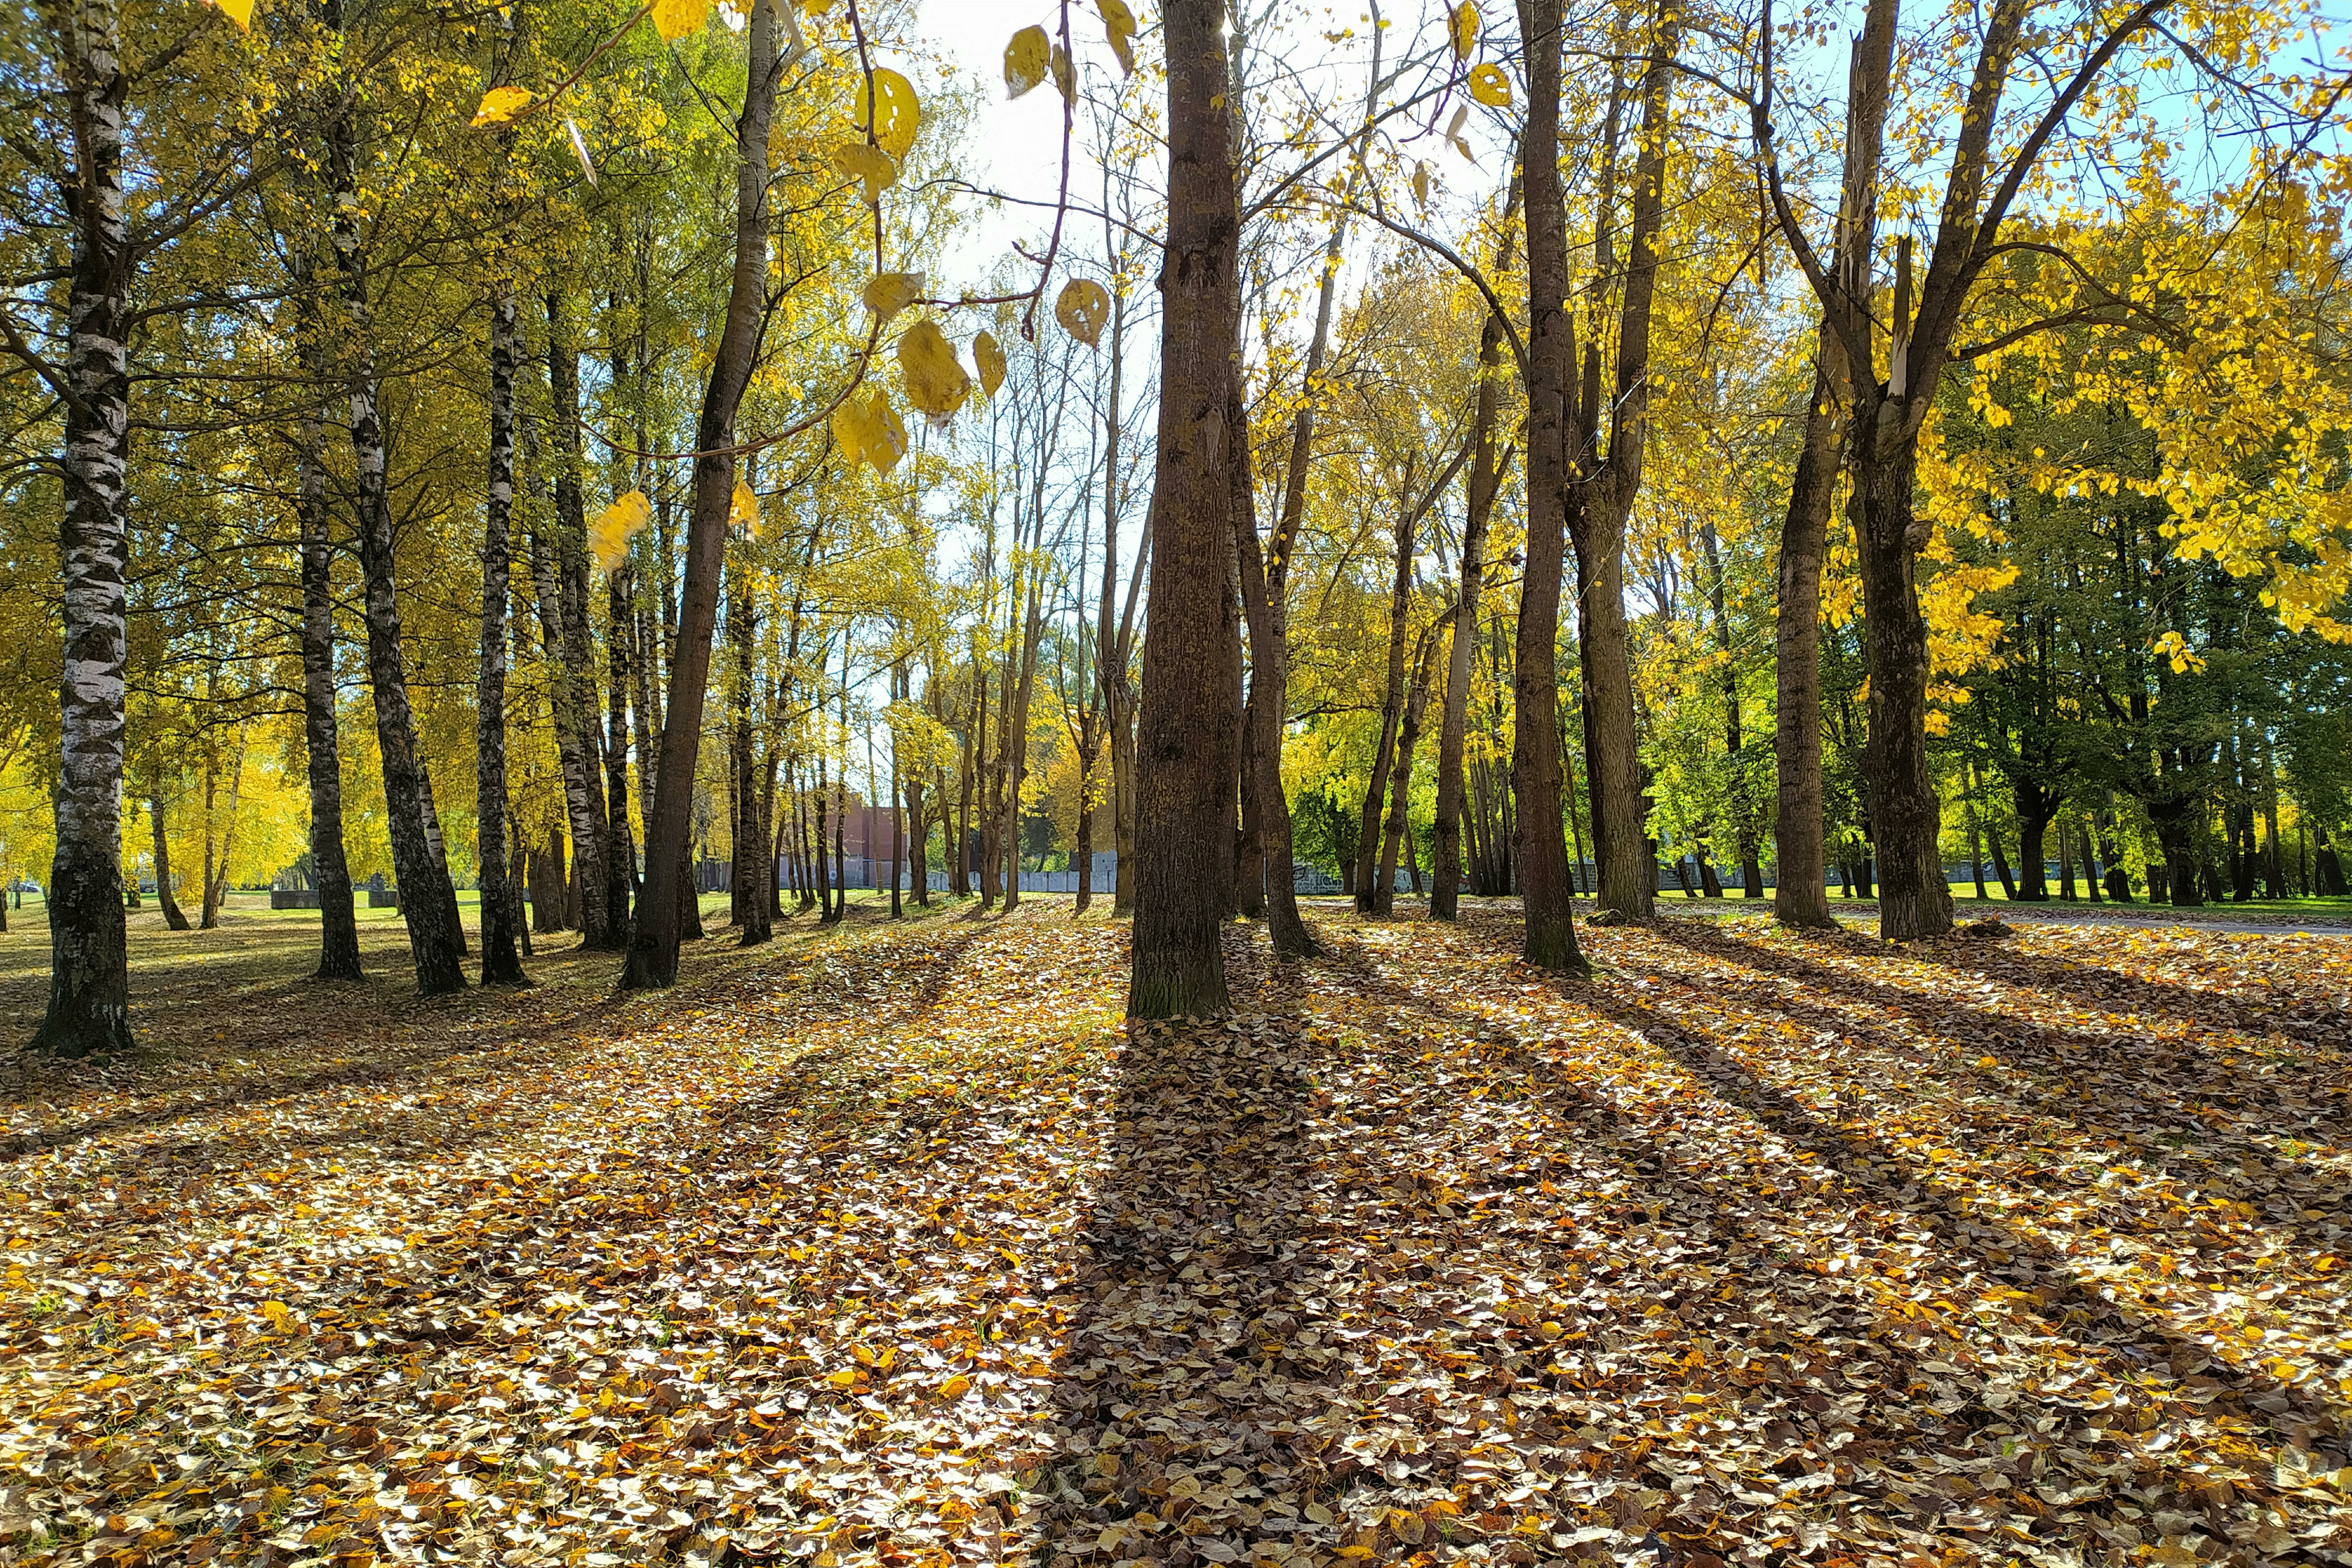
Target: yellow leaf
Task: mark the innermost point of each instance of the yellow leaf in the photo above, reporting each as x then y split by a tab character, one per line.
1063	79
277	1312
1454	132
888	294
1461	27
1118	22
743	511
501	104
609	536
955	1388
1421	184
849	431
936	384
1026	60
870	432
877	168
843	1378
1083	308
990	357
238	11
674	19
890	110
1489	86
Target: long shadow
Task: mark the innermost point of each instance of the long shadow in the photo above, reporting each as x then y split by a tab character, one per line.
2061	1058
1736	1287
2204	1077
2108	989
1995	1250
1191	1262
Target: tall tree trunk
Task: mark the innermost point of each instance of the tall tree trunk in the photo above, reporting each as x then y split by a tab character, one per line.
1602	506
573	670
1368	831
1478	506
502	911
338	935
89	967
670	890
428	899
2034	808
620	846
1800	887
750	890
174	916
1401	785
207	890
1192	649
1549	940
1266	712
1016	730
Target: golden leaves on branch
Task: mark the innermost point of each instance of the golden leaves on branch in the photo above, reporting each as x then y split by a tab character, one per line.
1118	25
1489	86
1082	308
936	383
858	160
743	511
675	19
609	536
238	11
988	355
1027	58
1462	29
889	112
888	294
501	104
869	430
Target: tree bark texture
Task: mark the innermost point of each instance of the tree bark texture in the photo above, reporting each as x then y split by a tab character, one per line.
1549	940
89	973
174	917
339	936
428	899
653	951
1186	742
1265	714
572	668
501	912
1452	736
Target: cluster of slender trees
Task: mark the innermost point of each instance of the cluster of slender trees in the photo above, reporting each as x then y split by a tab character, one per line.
1655	158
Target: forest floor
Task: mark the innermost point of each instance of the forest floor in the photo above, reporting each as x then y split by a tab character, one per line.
890	1244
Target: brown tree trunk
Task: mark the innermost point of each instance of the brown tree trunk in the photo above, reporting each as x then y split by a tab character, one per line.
174	916
1265	715
339	937
1800	885
1191	651
1604	501
574	668
669	889
1401	783
1478	506
1549	941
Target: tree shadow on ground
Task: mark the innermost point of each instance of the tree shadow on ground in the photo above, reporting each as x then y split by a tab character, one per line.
2175	1127
1307	1303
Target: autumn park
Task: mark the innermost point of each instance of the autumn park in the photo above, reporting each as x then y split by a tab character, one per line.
1111	782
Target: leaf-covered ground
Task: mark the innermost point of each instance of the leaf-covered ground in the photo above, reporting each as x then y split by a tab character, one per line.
890	1245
